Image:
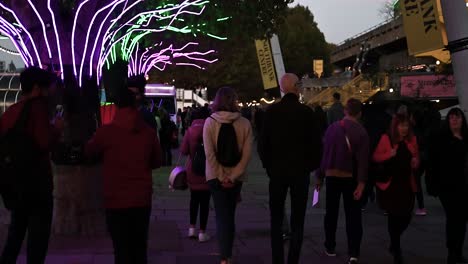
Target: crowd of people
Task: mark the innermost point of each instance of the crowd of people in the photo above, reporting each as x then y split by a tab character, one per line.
355	152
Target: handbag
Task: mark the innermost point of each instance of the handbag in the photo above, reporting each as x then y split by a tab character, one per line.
178	178
383	171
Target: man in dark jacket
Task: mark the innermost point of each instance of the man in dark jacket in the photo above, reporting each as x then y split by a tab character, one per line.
137	85
35	214
290	148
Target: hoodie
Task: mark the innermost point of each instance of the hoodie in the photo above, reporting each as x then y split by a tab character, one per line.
130	151
214	170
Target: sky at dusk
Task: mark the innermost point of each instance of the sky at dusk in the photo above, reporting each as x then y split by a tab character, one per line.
342	19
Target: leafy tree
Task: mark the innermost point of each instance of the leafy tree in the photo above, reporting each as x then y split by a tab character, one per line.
302	41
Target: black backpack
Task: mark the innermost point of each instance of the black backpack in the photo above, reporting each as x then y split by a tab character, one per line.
227	149
199	159
19	159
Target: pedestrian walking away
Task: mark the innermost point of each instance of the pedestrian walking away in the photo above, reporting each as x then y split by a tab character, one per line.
344	167
228	145
290	147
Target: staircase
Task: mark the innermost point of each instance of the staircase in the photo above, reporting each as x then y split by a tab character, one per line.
358	88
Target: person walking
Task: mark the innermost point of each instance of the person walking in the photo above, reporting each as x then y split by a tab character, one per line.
32	215
290	147
336	111
130	151
199	190
398	154
345	166
228	145
447	179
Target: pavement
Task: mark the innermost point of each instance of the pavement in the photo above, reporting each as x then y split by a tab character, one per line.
423	242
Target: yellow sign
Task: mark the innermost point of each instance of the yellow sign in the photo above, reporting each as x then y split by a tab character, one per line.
423	27
318	67
267	67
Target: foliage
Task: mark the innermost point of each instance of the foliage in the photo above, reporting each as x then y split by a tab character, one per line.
302	42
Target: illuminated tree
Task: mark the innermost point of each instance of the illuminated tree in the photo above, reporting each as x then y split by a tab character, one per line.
83	34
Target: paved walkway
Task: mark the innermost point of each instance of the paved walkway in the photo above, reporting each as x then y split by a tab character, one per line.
422	243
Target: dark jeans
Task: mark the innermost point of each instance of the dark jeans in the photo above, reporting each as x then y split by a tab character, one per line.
299	191
128	229
199	199
36	220
335	188
456	221
167	155
419	194
397	224
225	202
369	192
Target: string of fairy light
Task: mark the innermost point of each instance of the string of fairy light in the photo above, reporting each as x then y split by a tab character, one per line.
114	30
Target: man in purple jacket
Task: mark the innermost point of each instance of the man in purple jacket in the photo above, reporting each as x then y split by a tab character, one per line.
345	164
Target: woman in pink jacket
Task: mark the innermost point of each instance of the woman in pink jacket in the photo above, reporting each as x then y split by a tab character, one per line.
199	190
399	150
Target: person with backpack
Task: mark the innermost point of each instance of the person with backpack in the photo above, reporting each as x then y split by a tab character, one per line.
130	151
228	145
192	145
290	147
26	180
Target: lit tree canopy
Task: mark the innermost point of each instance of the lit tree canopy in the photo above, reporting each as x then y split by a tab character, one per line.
84	33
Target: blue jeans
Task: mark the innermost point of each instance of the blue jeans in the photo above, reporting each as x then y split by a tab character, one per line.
225	202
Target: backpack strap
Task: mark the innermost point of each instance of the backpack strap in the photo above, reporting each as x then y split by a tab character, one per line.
348	142
22	121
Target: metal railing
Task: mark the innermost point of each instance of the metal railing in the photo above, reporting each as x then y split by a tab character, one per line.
350	39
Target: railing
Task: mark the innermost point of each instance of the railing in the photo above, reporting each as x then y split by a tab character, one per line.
359	88
368	30
199	100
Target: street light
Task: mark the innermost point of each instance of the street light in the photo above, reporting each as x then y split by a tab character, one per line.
391	90
438	62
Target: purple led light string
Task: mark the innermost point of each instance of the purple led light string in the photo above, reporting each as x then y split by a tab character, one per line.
4	31
59	47
190	64
9	28
101	59
179	11
87	39
43	28
25	30
75	71
91	56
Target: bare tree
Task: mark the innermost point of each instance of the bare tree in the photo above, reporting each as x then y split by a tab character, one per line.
390	9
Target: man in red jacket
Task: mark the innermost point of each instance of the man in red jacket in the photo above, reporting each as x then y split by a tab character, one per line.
130	151
35	216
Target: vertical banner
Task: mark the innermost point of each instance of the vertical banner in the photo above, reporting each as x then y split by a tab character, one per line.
265	60
318	68
424	30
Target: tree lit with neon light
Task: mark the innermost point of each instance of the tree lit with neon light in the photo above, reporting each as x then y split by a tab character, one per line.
94	33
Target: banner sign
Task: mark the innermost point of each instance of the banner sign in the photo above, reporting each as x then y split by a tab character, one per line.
265	60
318	67
428	86
424	30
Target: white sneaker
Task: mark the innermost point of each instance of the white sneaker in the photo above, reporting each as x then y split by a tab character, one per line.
203	237
421	212
191	233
